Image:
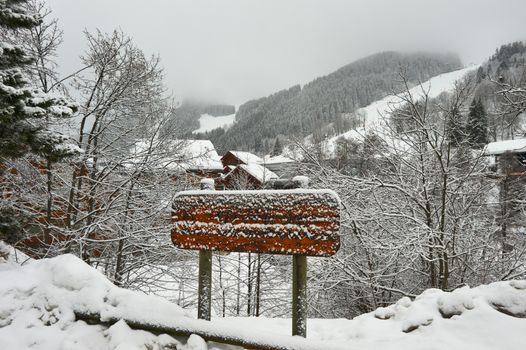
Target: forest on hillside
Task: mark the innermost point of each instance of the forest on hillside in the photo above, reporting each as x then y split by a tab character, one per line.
299	111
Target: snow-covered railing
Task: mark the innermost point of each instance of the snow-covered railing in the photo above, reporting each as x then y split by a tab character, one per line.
253	339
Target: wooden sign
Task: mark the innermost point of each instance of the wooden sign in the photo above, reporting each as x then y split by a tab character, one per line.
299	222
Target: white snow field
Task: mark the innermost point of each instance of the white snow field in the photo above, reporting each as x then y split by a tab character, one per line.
208	122
373	116
39	299
376	111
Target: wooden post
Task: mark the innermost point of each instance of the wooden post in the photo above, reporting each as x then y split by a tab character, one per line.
204	303
299	295
299	283
204	289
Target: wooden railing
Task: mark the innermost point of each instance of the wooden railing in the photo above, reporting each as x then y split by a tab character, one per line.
216	332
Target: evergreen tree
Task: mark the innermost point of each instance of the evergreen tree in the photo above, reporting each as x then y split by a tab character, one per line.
266	146
24	111
455	128
480	75
477	125
278	148
258	145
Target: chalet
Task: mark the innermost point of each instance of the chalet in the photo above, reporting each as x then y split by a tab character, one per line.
247	176
281	165
244	170
513	150
235	158
200	157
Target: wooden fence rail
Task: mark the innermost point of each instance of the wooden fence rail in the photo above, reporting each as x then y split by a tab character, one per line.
214	331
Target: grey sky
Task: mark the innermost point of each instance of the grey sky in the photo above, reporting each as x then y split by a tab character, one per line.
234	50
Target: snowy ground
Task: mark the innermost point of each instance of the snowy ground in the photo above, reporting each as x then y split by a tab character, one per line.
39	298
208	122
464	319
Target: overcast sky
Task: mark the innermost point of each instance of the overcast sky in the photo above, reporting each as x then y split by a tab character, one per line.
233	50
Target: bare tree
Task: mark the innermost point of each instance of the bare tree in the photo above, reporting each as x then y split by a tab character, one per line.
423	215
512	93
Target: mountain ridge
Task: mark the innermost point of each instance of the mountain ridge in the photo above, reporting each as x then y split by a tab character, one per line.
299	111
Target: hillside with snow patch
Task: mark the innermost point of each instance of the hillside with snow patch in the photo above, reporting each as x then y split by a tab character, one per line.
300	110
209	122
376	111
373	116
40	302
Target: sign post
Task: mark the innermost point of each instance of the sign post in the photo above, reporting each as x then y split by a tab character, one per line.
204	287
299	295
299	286
299	222
204	302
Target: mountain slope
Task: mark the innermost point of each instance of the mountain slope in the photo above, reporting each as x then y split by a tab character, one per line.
300	111
375	113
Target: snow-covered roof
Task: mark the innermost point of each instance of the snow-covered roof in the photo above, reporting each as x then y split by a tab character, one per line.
201	154
500	147
258	171
247	157
279	159
180	154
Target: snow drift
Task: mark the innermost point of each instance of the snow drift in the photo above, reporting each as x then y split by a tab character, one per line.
38	302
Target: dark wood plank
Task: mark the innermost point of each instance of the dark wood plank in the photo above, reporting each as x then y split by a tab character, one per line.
301	222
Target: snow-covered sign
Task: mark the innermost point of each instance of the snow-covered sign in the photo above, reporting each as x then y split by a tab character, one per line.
299	222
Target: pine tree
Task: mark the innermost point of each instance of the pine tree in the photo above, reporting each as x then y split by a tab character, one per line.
477	125
24	110
278	148
266	146
455	128
480	75
258	145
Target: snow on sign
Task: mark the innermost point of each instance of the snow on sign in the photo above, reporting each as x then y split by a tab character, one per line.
298	222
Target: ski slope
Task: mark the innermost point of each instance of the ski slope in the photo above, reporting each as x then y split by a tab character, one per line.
208	122
376	111
374	115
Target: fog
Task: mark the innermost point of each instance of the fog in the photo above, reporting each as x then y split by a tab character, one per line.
230	51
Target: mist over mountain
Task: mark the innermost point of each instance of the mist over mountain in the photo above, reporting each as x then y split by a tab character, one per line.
327	100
